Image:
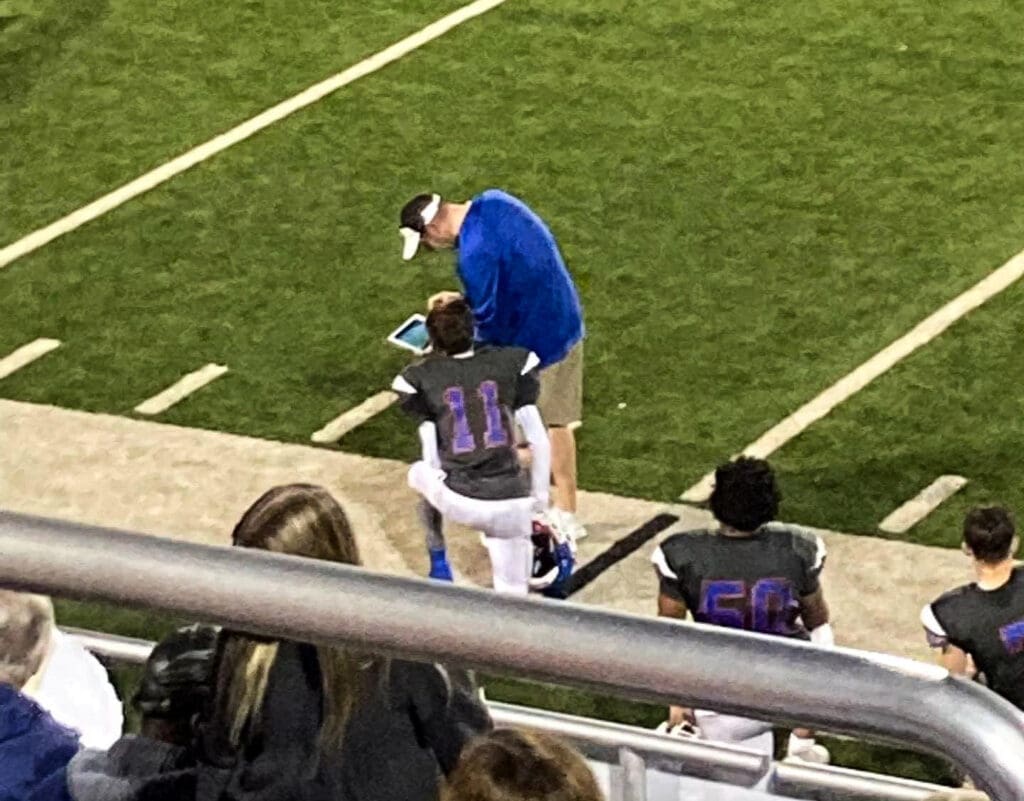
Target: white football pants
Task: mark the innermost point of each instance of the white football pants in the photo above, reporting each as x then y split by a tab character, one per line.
506	526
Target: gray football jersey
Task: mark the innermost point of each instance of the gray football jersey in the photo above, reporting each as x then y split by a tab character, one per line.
753	583
472	400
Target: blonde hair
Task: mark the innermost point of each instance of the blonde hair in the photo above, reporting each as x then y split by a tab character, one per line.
26	626
299	520
515	765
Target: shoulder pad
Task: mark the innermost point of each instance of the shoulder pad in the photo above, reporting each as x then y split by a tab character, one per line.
808	545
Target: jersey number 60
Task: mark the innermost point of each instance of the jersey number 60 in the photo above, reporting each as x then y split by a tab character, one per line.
764	606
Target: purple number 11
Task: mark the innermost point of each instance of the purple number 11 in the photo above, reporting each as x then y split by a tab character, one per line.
462	436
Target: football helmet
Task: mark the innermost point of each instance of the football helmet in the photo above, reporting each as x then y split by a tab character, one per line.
552	560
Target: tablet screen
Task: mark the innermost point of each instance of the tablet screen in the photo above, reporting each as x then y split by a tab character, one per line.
414	335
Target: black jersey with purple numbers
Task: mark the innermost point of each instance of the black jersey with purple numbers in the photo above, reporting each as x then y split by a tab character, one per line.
988	625
753	582
472	400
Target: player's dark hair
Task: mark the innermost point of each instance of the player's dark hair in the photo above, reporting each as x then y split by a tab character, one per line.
989	533
450	326
745	495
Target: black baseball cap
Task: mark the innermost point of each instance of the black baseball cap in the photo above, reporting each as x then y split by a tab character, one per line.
415	217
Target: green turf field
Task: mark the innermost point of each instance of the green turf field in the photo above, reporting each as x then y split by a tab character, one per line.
753	198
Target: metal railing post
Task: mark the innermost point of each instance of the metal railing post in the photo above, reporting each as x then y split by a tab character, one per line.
634	776
713	761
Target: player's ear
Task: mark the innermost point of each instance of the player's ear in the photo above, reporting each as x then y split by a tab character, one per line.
967	550
1014	545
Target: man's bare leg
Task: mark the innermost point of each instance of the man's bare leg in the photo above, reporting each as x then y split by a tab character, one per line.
563	467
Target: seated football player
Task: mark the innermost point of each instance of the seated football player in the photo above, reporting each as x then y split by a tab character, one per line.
467	400
983	621
748	574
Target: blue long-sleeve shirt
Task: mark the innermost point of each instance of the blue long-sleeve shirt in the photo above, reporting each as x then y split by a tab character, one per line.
515	279
34	750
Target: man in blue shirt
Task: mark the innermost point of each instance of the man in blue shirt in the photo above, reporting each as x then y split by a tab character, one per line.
521	294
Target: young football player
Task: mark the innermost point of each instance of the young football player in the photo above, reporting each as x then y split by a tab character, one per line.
983	621
746	575
467	401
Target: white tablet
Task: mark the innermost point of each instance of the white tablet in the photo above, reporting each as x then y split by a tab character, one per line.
412	335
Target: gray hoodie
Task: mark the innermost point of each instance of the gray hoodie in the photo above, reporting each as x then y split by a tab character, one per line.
134	768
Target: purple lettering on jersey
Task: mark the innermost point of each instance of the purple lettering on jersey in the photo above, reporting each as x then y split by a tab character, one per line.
764	607
1012	635
770	601
723	603
495	436
462	436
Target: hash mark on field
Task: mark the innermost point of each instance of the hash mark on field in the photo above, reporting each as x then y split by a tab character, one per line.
26	354
923	504
318	91
923	333
182	388
345	422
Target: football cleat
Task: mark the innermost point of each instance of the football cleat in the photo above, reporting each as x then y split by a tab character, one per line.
685	730
567	524
805	749
439	567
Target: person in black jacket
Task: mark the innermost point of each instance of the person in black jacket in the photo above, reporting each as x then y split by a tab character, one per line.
291	720
158	764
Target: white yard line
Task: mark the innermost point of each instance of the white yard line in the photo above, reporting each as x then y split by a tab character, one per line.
923	504
26	354
343	423
923	333
154	178
181	389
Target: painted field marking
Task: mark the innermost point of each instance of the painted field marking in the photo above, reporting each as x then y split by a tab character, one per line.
26	354
182	388
923	333
345	422
923	504
318	91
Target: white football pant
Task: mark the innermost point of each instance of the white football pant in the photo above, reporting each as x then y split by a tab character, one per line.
506	525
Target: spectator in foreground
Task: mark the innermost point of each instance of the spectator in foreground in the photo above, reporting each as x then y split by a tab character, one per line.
34	748
159	762
74	687
295	720
514	765
983	621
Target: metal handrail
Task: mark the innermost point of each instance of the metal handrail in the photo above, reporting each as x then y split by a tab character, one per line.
648	659
603	741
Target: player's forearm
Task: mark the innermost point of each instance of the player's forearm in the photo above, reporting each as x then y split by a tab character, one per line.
954	660
428	444
540	451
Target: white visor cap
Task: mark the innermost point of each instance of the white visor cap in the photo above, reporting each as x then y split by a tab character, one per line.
411	236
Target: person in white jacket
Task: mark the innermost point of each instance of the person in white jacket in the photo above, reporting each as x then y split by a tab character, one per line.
75	689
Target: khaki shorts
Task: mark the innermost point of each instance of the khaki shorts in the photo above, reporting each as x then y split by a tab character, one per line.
561	389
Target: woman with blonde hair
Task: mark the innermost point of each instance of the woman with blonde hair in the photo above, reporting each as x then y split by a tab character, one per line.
295	720
515	765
